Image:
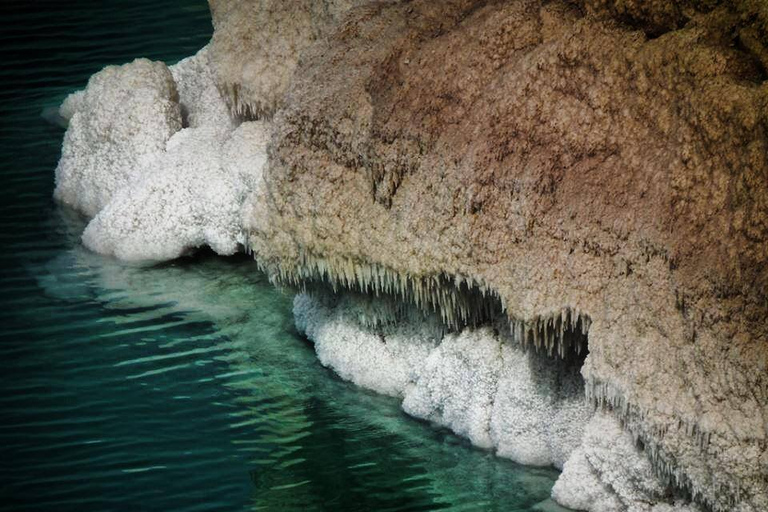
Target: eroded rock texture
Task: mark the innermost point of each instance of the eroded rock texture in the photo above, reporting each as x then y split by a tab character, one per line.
608	158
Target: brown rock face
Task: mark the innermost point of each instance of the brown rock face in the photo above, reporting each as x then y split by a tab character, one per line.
558	161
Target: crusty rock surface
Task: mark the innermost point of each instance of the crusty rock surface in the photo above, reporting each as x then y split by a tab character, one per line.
555	160
257	44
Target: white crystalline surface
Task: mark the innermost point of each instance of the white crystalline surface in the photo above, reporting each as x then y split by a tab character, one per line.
365	358
521	405
608	473
152	155
194	201
481	387
201	103
117	127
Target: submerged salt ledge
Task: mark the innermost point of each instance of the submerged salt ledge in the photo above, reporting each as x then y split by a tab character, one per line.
153	157
522	405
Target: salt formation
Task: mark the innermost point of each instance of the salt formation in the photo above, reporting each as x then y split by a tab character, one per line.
523	405
117	127
549	169
194	199
607	157
608	473
70	106
352	330
499	396
351	350
493	392
153	156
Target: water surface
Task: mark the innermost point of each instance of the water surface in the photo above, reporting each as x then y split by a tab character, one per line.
182	386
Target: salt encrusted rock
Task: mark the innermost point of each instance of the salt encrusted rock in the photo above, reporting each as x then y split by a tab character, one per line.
659	16
553	160
607	169
158	187
523	406
257	44
192	200
538	409
117	127
457	384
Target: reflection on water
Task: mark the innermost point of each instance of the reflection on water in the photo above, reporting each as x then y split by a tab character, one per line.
183	386
308	440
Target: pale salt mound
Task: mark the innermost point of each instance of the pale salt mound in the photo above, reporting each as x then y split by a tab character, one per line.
609	473
192	201
388	366
157	190
117	128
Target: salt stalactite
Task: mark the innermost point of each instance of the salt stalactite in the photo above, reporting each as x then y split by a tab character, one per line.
459	300
557	334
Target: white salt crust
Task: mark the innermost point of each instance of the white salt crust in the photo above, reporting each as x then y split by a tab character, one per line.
153	157
492	392
521	405
607	472
117	127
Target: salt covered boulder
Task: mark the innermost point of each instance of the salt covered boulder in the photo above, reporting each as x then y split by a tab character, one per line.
152	154
553	157
117	127
192	200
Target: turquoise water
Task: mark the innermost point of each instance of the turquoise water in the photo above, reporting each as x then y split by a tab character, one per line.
182	386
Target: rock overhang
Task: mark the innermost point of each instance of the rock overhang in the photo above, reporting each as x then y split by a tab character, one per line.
553	160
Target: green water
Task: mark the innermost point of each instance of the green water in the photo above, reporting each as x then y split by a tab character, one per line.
182	386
